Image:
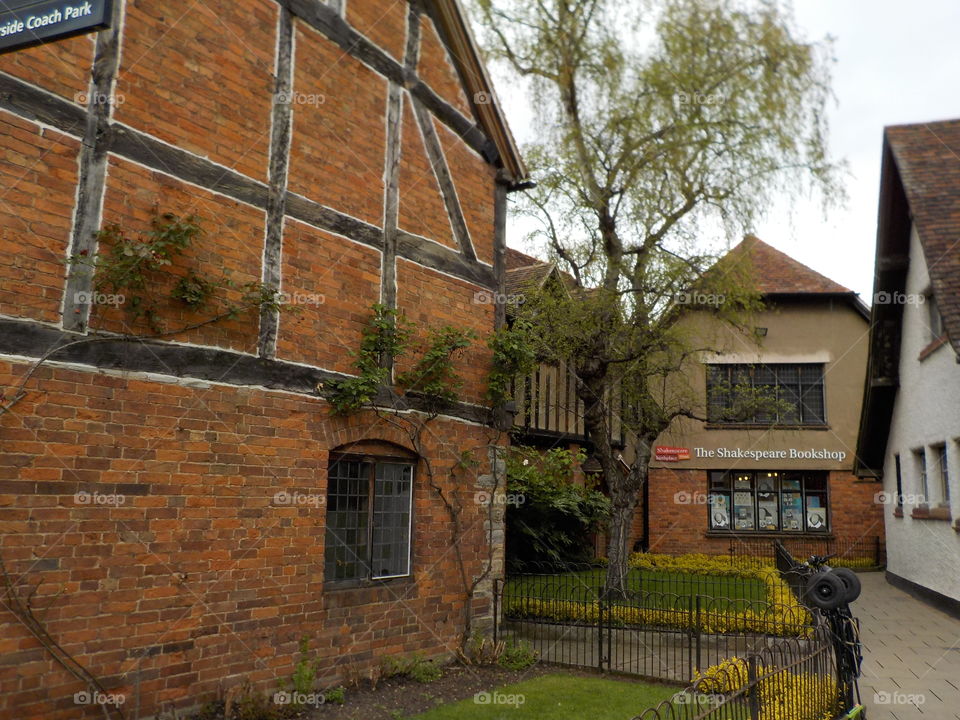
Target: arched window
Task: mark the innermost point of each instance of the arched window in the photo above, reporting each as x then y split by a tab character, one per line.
369	510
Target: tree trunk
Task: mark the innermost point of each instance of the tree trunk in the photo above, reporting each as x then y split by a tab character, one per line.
625	488
618	546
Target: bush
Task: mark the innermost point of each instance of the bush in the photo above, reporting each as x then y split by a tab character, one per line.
415	667
517	655
553	522
335	695
779	691
782	614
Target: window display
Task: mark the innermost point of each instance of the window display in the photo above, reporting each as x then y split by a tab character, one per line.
768	501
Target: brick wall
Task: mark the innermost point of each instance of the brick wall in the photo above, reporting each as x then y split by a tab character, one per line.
678	515
179	551
141	506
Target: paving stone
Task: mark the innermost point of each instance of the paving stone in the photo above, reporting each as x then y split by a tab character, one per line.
911	668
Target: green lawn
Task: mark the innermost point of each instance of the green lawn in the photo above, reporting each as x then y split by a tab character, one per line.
666	589
557	697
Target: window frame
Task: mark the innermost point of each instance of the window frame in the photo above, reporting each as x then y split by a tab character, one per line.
372	460
898	507
943	473
934	317
782	384
751	481
920	462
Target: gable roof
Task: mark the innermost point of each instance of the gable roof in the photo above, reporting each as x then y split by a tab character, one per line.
452	23
919	185
779	276
776	273
927	158
525	271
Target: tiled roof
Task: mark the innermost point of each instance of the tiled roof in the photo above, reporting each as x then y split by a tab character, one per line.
927	156
524	271
516	259
776	273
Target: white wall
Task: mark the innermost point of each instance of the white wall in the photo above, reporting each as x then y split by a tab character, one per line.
926	413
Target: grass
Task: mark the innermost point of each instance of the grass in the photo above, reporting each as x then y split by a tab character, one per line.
649	588
558	697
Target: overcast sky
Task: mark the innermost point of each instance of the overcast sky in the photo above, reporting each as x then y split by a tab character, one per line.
897	62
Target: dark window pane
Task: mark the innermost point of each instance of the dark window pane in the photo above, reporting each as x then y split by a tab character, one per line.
719	480
718	393
391	520
765	394
345	549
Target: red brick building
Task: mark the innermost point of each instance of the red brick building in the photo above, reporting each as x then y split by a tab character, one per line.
347	153
785	472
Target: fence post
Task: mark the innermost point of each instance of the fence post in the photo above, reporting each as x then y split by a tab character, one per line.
496	609
753	690
699	664
600	603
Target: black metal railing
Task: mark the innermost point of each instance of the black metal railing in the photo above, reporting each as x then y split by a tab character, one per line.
667	625
789	679
855	552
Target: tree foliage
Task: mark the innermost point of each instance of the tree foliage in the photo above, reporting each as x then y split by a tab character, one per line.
656	122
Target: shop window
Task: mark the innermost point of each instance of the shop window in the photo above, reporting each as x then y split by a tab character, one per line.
369	506
783	394
768	501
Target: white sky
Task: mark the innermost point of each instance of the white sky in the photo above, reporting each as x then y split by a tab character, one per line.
897	62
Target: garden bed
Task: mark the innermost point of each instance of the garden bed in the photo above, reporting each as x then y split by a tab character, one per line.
712	594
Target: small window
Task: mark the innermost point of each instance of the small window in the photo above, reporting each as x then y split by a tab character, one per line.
920	461
899	500
369	506
934	318
941	474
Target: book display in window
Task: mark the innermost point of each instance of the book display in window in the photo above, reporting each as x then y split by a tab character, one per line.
792	506
743	511
719	512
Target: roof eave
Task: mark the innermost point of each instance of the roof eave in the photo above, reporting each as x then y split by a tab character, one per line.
473	73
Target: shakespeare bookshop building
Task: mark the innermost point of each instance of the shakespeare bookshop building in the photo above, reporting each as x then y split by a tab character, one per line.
721	485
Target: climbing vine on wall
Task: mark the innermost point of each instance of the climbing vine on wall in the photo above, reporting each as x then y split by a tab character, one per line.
135	266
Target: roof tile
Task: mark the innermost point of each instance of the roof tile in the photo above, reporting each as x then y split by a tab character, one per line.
928	161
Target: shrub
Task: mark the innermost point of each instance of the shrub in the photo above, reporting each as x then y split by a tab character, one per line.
557	514
517	655
782	614
415	667
783	695
335	695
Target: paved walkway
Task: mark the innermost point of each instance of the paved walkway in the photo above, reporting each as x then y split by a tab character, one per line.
911	658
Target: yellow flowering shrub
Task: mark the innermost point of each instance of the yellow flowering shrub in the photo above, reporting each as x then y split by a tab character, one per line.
782	695
781	614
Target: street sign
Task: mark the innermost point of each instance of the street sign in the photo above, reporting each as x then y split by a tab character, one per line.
30	22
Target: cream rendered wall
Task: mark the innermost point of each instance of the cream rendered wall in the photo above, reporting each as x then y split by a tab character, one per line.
926	412
828	332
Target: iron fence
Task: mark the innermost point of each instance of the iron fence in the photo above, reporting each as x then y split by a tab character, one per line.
855	552
790	679
666	626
